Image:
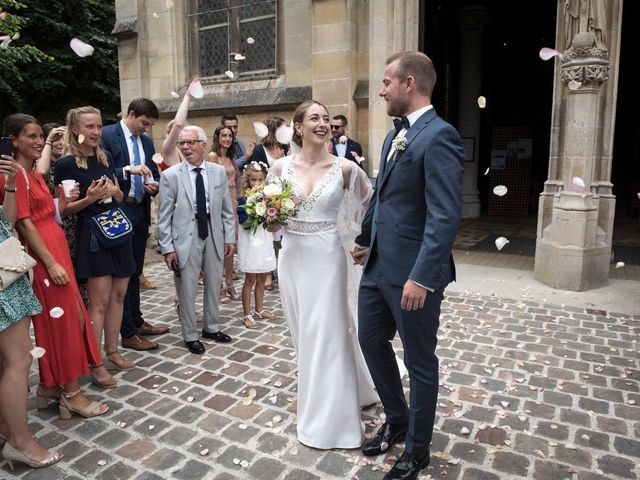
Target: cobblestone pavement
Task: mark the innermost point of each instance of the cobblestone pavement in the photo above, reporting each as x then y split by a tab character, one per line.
528	390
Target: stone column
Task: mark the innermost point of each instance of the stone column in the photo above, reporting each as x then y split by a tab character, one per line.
471	21
573	249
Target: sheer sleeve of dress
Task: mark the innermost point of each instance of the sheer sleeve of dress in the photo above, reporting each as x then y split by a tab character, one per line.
354	205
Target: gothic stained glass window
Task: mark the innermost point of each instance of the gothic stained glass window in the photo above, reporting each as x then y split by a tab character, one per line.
227	27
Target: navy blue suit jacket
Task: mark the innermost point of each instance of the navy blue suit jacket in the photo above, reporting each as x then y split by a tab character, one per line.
414	214
113	141
352	146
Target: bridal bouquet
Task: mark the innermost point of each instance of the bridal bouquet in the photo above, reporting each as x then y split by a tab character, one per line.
271	204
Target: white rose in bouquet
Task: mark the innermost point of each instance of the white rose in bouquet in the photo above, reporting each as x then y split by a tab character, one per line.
288	205
261	209
272	190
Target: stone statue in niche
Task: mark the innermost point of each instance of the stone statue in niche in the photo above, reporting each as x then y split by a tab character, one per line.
585	16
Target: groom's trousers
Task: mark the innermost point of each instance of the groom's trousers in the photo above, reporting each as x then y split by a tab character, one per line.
379	317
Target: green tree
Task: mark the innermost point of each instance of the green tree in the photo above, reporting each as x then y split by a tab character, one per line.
48	78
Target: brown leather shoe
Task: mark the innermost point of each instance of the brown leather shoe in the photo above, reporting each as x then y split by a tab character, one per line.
145	283
147	329
139	343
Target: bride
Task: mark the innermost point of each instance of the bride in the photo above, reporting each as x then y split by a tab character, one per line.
317	288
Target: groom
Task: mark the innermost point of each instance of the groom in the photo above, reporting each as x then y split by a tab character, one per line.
409	228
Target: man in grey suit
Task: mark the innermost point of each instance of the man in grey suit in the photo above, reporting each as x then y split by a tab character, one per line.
409	229
196	229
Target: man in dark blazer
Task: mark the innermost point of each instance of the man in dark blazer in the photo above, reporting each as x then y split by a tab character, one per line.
138	176
344	146
409	231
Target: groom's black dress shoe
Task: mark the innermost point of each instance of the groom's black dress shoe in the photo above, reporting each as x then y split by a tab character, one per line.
217	336
195	347
386	437
407	467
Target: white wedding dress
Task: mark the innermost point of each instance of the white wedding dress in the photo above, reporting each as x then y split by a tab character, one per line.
318	298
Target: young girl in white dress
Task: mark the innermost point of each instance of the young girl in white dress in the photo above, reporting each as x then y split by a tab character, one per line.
256	256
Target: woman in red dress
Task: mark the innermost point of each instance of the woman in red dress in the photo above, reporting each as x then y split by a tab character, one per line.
61	327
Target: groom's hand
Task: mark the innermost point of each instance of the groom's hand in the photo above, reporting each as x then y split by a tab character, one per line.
413	296
359	254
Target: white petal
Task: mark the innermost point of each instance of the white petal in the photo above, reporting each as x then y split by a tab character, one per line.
277	419
500	190
80	48
487	171
620	265
56	312
175	94
482	101
15	36
236	461
284	133
204	452
261	129
229	74
239	56
244	464
81	139
250	40
196	90
548	53
6	40
38	352
500	243
46	282
190	399
155	15
577	184
157	158
574	85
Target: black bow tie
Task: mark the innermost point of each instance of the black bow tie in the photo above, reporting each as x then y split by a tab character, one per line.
401	123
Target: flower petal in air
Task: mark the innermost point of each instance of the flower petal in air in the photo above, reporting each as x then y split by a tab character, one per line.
229	74
38	352
196	90
81	139
56	312
487	171
46	282
6	40
260	129
284	133
175	94
500	190
250	40
620	265
482	101
548	53
577	184
574	85
501	242
80	48
239	56
155	15
157	158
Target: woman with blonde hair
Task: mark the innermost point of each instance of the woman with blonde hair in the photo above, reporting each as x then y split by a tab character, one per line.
61	327
106	270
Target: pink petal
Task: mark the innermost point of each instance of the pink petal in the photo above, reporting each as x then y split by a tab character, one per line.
284	133
80	48
196	90
548	53
157	158
46	282
229	74
577	184
56	312
260	129
38	352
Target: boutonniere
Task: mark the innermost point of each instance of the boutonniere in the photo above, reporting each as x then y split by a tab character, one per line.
343	139
399	144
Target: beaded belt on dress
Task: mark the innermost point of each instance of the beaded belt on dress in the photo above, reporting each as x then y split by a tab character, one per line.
309	228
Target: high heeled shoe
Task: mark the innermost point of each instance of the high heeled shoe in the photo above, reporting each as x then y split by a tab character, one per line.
12	454
43	396
94	409
112	383
124	366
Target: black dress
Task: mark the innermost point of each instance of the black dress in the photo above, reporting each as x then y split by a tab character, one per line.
117	261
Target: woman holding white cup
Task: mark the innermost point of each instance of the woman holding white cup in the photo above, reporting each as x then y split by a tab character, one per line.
106	270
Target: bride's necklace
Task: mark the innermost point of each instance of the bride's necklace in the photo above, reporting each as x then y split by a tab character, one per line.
309	161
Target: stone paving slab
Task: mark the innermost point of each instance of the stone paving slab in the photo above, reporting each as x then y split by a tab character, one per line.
528	390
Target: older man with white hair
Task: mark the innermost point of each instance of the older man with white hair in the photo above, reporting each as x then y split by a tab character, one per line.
196	229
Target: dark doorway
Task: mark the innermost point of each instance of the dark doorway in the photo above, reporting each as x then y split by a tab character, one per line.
517	85
625	173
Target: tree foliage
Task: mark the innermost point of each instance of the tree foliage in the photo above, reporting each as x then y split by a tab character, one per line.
41	75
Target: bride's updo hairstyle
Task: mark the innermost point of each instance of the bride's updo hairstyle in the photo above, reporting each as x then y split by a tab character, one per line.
298	117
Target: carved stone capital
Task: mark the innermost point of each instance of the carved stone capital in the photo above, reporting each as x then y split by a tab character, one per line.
588	65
